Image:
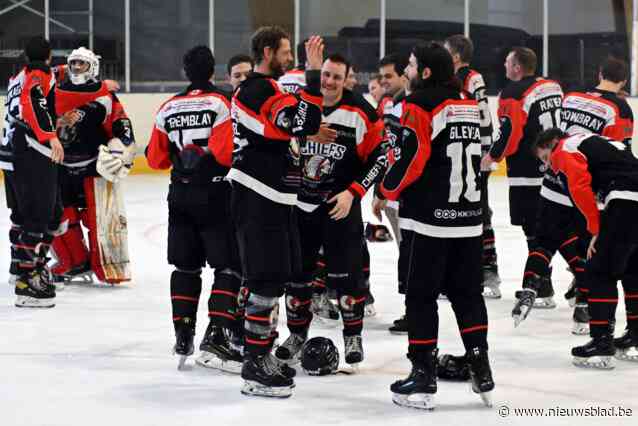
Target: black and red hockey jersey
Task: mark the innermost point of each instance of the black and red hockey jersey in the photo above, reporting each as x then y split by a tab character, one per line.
193	135
293	81
436	173
265	118
29	112
474	85
591	165
526	107
354	161
598	111
102	118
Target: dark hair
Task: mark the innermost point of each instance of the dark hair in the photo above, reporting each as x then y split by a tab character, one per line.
462	46
38	49
239	59
526	58
266	37
614	69
376	77
434	56
301	54
199	64
398	61
545	138
339	59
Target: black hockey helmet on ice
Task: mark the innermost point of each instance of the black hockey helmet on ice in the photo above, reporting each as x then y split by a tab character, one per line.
319	357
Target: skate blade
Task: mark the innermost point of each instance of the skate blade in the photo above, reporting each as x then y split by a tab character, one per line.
629	354
486	396
80	279
32	302
597	362
353	368
544	303
252	388
491	293
420	401
181	364
580	329
212	361
399	333
369	311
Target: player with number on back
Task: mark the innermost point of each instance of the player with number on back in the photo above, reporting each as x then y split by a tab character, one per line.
436	175
526	106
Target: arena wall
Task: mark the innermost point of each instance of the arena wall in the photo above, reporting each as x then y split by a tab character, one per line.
142	107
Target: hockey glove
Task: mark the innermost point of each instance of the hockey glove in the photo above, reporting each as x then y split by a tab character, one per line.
115	160
66	128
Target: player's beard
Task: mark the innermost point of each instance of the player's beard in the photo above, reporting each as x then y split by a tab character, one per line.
278	69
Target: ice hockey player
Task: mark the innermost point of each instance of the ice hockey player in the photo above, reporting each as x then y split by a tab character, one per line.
374	89
562	228
392	69
351	79
527	105
336	175
193	137
462	50
593	165
238	67
100	147
440	216
265	177
31	152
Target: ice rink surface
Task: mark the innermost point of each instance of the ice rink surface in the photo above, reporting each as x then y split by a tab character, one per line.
102	356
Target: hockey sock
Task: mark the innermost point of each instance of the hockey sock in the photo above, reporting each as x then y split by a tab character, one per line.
471	318
31	250
319	281
489	246
186	285
14	235
69	248
260	323
538	262
569	250
222	303
298	299
602	300
630	288
351	297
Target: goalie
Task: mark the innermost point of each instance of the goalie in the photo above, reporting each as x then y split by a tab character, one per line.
100	147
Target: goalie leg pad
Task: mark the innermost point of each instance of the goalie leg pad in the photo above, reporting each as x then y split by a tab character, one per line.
105	219
69	248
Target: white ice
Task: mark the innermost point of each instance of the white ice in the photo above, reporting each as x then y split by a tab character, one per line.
102	356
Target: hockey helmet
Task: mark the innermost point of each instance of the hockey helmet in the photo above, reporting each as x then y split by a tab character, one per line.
319	357
87	56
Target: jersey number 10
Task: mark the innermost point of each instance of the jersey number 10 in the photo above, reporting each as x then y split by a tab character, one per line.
455	151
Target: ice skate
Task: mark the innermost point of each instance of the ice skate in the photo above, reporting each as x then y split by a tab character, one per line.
418	389
524	302
263	377
580	326
217	351
545	294
32	292
627	347
491	282
400	326
289	352
481	374
81	275
598	353
369	309
455	368
353	351
184	335
323	307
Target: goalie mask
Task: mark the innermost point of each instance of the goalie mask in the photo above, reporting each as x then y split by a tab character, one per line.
84	66
319	357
